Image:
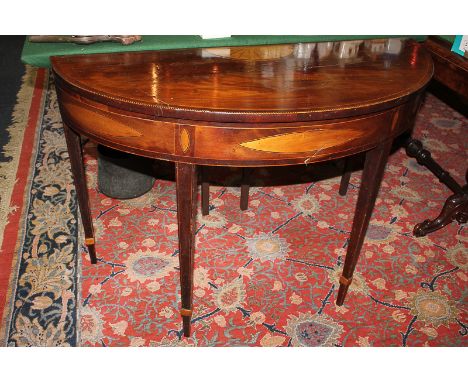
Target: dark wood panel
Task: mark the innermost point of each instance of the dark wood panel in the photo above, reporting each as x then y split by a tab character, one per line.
450	69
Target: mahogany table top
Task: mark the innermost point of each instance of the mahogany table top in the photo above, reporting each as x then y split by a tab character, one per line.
272	83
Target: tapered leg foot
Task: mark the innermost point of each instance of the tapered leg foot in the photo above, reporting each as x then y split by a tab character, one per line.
371	177
79	179
92	254
186	318
186	190
90	244
344	286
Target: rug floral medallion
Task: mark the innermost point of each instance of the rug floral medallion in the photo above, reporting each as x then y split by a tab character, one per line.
267	276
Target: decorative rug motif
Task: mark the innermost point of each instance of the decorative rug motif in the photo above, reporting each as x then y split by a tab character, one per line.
42	310
267	276
12	149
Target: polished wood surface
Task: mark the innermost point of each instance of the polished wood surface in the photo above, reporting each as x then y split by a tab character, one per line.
285	83
186	178
372	174
450	69
246	107
455	207
233	144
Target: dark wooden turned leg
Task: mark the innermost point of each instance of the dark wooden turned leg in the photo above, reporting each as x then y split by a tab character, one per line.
186	190
345	178
244	198
79	178
455	208
414	149
371	177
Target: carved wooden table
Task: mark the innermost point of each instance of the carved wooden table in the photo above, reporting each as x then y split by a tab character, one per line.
243	106
450	70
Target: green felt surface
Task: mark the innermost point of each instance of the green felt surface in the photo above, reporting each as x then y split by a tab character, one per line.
38	54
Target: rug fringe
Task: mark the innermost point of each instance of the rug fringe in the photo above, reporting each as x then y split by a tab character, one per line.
12	148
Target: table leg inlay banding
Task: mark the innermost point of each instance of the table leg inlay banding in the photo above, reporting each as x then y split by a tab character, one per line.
75	153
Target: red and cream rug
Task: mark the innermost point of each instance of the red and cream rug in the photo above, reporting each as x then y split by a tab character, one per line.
263	277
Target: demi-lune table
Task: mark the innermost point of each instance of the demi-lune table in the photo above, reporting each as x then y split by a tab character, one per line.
253	106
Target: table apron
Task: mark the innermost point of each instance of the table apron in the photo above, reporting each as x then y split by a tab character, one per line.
236	144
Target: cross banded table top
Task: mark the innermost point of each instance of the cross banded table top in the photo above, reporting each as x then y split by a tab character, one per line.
271	83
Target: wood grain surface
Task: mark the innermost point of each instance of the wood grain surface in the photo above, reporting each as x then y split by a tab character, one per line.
291	82
247	107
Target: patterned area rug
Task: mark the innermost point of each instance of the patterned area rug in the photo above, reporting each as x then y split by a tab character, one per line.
267	276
